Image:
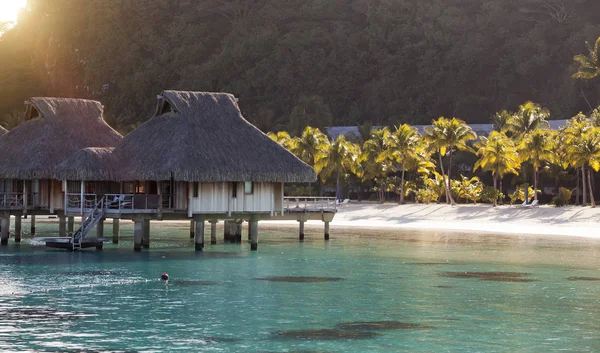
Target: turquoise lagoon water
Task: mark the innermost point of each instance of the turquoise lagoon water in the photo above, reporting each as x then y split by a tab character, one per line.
360	292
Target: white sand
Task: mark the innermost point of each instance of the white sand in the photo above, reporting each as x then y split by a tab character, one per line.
544	220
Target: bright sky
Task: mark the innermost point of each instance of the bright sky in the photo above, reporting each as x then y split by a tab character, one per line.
9	9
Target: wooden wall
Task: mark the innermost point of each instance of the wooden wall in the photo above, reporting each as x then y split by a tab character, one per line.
217	198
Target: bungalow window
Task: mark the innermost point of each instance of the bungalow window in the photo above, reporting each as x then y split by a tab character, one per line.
196	189
248	188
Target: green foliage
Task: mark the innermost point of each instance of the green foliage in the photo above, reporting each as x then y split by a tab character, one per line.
563	197
519	194
293	63
426	196
490	194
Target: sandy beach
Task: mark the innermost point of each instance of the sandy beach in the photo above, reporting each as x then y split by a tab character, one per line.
543	220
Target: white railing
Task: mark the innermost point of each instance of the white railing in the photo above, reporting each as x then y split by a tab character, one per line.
11	200
74	200
309	204
118	201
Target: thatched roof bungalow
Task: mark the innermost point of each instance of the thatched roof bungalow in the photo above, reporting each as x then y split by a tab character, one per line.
196	155
53	130
203	137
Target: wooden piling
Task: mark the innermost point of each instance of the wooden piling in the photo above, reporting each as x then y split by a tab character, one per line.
62	225
146	234
238	230
213	231
192	229
227	231
18	228
116	230
100	229
138	230
70	224
326	235
199	237
4	231
32	225
301	230
254	230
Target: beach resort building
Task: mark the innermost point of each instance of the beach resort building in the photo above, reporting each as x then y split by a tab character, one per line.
196	159
52	130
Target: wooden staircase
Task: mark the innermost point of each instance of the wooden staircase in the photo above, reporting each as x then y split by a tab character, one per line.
93	218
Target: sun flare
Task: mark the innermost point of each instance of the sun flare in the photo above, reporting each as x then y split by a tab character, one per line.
9	9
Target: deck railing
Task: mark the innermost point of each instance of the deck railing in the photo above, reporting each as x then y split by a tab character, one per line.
11	200
309	204
74	200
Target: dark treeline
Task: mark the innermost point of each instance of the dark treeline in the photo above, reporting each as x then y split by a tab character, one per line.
294	63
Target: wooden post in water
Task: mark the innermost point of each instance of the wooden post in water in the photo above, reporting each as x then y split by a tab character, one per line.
199	238
100	229
70	224
5	224
238	230
146	236
226	231
138	230
32	225
301	230
192	229
116	230
254	229
213	231
249	231
327	217
18	228
62	225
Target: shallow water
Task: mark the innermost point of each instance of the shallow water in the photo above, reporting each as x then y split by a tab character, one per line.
363	291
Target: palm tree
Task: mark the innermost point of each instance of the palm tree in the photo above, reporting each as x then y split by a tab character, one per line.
531	116
281	137
401	148
586	150
576	127
537	147
445	135
336	157
308	144
589	67
498	154
500	120
376	160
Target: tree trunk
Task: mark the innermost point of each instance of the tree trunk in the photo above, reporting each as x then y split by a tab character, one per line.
495	177
501	198
577	189
338	192
535	173
584	202
444	177
590	185
402	185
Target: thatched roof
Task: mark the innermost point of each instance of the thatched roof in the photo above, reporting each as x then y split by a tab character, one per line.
92	163
199	136
54	129
2	131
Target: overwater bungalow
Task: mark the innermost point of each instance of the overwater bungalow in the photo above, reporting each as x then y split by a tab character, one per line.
52	130
197	158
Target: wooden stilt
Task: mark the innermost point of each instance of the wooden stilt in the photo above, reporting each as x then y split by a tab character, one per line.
100	229
116	230
138	230
32	225
301	231
146	234
326	230
18	228
226	231
254	229
192	229
199	237
62	225
238	230
5	224
213	231
70	224
249	230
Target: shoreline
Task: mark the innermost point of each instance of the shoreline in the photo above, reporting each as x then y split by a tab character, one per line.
572	221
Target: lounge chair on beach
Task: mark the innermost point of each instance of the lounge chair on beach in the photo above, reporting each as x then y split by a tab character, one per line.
534	203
